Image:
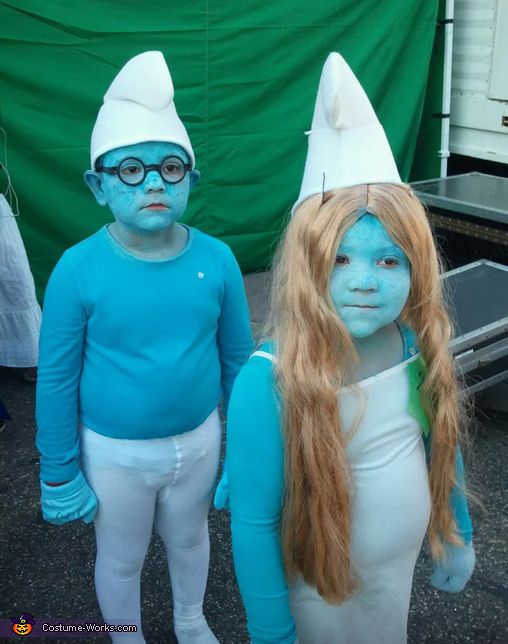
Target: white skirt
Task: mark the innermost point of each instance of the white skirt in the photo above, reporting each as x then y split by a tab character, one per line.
20	314
390	515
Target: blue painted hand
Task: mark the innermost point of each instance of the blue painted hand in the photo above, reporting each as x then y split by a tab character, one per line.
221	498
453	571
68	502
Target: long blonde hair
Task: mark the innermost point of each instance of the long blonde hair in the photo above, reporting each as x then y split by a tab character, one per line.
315	354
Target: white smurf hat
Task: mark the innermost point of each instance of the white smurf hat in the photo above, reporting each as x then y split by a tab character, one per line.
139	107
347	143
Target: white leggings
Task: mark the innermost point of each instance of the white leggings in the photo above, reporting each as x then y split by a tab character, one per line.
165	481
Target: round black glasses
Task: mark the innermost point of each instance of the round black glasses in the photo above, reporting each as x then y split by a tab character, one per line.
133	171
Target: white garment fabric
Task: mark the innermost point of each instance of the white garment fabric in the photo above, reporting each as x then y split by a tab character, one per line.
20	313
167	482
390	514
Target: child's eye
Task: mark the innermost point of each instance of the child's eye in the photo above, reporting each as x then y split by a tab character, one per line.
341	260
389	262
131	169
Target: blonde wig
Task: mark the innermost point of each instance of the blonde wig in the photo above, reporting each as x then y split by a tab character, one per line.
315	358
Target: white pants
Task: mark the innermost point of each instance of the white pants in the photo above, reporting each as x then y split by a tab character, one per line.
167	482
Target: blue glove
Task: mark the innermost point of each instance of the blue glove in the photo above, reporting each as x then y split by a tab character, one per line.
67	502
453	571
221	498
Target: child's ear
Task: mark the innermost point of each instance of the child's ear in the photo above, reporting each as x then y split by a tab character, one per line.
194	177
94	181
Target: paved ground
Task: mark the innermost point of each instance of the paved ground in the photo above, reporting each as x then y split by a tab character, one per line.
48	570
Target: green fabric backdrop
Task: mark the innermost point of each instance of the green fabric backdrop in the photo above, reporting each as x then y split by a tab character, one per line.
427	162
245	76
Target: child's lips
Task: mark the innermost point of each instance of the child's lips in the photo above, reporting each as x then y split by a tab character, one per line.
361	306
155	206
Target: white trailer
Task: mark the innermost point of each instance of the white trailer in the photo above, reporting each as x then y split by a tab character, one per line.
479	80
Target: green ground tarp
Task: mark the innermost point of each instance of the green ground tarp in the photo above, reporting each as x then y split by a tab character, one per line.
245	74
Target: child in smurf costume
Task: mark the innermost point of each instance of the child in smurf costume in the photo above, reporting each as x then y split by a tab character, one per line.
348	418
145	326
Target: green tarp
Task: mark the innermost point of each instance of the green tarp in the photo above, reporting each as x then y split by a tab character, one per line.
245	76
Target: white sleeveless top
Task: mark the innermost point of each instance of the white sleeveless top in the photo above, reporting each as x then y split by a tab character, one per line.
390	514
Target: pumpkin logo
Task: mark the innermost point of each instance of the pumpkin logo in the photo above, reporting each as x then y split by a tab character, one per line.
23	625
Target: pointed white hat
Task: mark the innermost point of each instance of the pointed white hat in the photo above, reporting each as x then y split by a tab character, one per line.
139	107
347	143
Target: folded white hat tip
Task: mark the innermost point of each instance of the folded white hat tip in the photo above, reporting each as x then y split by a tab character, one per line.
344	101
138	107
144	79
347	145
330	95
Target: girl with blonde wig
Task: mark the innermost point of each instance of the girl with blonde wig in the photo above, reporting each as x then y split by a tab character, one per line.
316	358
344	427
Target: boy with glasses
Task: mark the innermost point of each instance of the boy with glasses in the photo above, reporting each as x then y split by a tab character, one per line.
145	326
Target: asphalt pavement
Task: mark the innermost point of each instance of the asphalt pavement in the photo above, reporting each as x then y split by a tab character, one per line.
47	570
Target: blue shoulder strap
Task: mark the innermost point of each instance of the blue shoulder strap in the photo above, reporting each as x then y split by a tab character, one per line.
409	340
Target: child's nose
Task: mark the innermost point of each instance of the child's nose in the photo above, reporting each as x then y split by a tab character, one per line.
363	281
153	182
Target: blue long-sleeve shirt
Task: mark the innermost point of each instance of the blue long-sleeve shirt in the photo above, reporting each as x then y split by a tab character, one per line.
133	348
255	469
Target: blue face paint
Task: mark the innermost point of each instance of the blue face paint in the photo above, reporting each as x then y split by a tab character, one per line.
370	282
151	206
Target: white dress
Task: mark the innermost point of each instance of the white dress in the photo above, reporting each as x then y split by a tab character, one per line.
20	314
390	515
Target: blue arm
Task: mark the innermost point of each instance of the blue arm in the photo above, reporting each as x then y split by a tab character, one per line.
458	502
458	499
452	572
60	362
255	463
